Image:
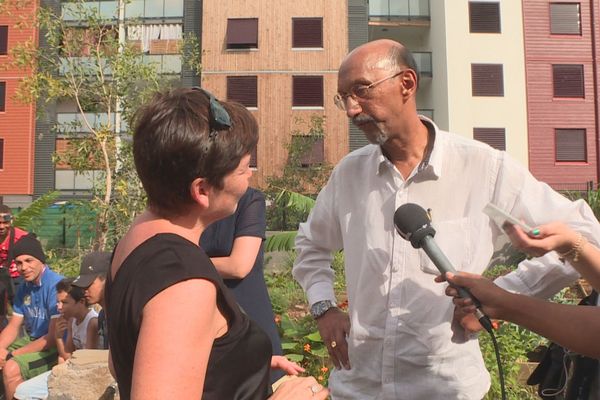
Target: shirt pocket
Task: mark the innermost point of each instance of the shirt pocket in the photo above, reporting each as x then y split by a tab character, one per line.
459	240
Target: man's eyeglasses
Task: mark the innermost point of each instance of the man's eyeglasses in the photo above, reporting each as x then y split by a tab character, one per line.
219	118
358	92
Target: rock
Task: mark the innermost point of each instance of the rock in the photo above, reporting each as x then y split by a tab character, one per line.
85	376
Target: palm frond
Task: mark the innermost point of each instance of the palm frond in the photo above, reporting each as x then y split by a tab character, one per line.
26	216
281	241
295	200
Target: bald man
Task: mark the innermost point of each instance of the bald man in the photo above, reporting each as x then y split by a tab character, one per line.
397	340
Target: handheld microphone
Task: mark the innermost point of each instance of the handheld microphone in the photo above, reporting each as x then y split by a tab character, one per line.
413	224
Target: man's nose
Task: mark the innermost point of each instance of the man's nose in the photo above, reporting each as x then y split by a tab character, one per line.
353	108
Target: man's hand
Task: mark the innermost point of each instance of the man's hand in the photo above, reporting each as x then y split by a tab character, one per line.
3	354
334	327
61	327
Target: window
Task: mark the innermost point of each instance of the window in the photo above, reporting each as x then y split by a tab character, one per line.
311	148
3	40
487	80
307	32
242	33
495	137
1	153
571	145
243	90
484	17
568	80
307	91
565	19
2	96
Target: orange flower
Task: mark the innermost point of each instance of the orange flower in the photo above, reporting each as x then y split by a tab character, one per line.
320	378
324	369
307	348
277	319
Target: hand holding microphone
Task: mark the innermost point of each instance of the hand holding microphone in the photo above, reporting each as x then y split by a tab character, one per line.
414	225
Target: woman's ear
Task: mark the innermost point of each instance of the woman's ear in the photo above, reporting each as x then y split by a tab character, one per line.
199	191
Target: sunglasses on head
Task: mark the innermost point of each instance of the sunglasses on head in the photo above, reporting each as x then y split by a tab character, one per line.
5	217
219	118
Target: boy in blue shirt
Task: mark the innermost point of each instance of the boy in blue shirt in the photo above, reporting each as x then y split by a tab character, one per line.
35	306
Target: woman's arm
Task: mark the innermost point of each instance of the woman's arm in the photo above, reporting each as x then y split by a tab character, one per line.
241	260
574	327
178	328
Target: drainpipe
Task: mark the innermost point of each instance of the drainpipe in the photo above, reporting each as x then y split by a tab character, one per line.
596	89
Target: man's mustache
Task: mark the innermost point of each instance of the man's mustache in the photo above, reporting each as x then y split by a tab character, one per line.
362	119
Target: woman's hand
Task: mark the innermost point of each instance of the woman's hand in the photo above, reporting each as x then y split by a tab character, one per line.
553	236
305	388
287	366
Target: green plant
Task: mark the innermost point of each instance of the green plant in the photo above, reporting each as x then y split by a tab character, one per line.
514	343
26	218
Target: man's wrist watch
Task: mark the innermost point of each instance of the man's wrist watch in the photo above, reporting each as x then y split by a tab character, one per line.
320	308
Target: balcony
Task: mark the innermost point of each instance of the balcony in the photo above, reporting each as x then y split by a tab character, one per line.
70	123
138	9
399	13
423	60
167	64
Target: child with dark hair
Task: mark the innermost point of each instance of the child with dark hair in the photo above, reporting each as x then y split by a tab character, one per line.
76	328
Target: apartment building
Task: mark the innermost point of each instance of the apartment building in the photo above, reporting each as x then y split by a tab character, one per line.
17	120
520	76
280	60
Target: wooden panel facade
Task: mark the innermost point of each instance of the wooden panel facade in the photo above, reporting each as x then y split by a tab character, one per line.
274	63
17	121
546	112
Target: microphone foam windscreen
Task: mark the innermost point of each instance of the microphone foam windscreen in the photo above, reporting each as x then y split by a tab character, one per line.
409	218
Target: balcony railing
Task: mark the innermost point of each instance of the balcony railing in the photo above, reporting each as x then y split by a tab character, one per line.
141	9
168	64
399	10
423	60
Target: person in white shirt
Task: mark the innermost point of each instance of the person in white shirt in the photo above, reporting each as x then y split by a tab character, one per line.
398	339
76	328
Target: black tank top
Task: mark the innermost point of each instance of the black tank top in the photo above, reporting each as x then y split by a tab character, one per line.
239	362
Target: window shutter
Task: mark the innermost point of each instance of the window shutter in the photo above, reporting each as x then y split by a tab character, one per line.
571	145
568	80
307	32
2	96
254	157
487	80
315	153
1	153
3	39
243	89
307	91
242	33
484	17
495	137
565	19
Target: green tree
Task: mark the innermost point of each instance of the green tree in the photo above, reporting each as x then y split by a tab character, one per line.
93	68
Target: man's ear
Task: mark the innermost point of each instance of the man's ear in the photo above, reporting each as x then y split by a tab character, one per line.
199	191
409	82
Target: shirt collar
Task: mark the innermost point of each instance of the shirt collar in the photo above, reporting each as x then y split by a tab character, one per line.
432	161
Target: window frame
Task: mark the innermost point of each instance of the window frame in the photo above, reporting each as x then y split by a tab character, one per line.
558	141
303	81
565	90
2	96
307	21
552	25
482	84
3	40
482	24
233	38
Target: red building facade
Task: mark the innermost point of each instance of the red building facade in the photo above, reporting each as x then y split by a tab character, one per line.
561	50
17	120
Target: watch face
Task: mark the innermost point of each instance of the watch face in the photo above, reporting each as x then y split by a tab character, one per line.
320	308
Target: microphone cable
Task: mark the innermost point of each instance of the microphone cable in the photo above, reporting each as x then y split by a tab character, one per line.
488	326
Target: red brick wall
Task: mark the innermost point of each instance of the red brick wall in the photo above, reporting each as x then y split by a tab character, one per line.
17	121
